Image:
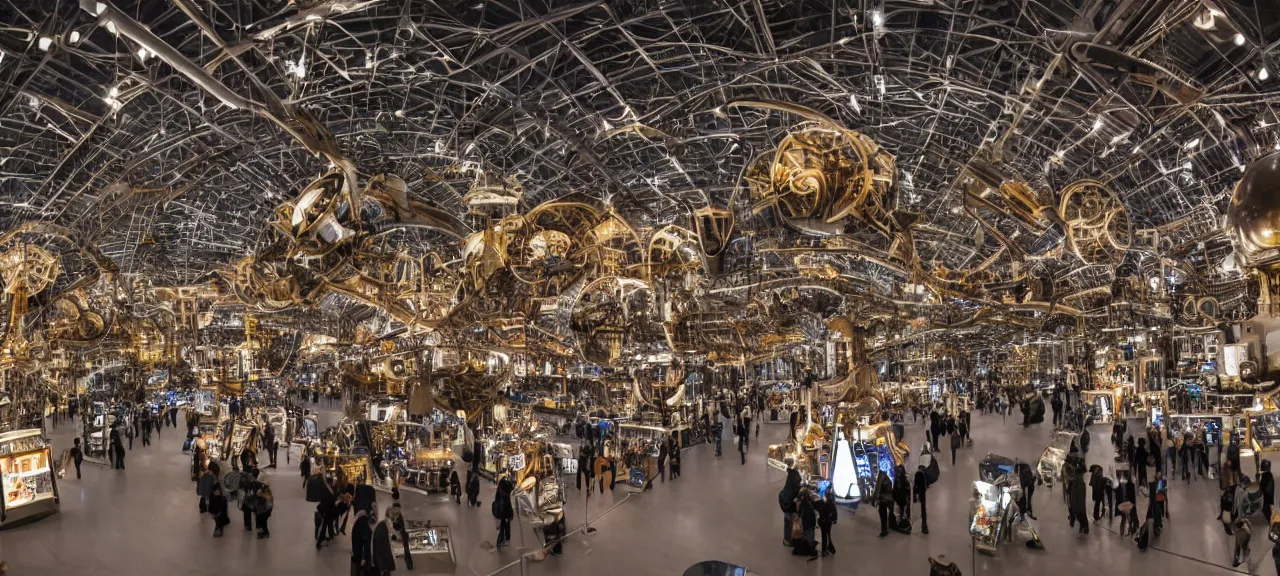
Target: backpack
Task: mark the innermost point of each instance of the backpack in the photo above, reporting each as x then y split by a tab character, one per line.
496	507
955	441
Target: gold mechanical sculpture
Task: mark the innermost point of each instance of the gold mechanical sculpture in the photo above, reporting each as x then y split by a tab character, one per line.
1098	227
824	173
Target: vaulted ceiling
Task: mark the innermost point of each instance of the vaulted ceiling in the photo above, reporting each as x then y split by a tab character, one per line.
628	103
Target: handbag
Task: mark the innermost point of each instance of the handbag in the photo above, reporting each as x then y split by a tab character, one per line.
797	531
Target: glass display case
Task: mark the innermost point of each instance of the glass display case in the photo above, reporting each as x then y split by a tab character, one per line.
1264	431
430	546
26	477
987	515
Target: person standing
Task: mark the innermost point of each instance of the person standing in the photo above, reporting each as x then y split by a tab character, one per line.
146	430
717	430
361	543
902	495
662	460
270	444
77	456
117	447
918	494
746	426
396	517
1076	510
742	444
1266	483
827	516
884	503
955	445
787	501
1140	461
473	488
1085	439
502	510
808	521
383	559
1056	404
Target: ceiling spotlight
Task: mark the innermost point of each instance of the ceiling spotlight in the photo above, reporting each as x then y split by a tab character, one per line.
114	91
1191	144
143	54
1097	123
75	36
44	43
1239	39
877	18
111	27
1263	74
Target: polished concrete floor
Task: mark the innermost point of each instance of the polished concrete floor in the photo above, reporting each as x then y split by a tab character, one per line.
144	520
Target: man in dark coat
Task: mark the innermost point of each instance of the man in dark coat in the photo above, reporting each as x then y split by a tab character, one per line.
787	501
1028	481
1098	486
1140	461
918	492
935	427
1077	510
383	558
361	543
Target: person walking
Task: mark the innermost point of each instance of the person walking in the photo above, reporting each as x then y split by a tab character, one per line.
1076	509
270	444
262	507
218	508
955	445
1098	488
1056	404
717	431
1085	439
204	486
455	487
902	496
77	456
503	511
935	426
746	426
473	488
808	521
919	490
248	498
1127	506
117	448
742	445
827	517
1027	479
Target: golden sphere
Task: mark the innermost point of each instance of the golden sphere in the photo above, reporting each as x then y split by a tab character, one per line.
1254	214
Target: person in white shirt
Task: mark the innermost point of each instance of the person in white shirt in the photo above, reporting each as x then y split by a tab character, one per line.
746	421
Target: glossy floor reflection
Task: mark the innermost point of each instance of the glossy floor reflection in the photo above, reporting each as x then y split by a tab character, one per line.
144	521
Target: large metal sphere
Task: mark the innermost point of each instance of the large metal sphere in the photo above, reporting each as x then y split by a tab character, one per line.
1254	215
